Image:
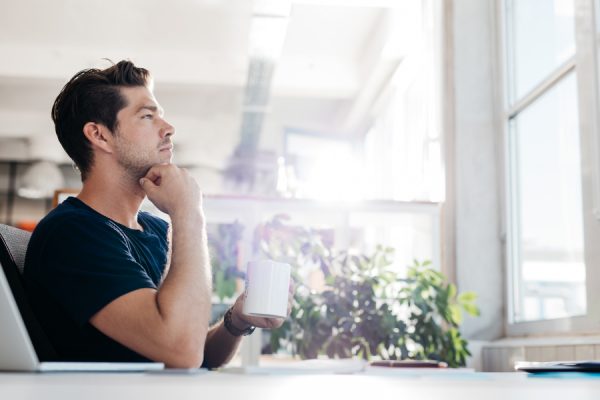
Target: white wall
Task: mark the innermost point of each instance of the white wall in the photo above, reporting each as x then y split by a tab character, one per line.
478	252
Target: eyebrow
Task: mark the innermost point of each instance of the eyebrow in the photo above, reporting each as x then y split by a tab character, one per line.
150	108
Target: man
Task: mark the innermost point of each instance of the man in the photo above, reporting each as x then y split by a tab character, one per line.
111	283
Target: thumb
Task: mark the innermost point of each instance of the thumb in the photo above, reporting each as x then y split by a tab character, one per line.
147	184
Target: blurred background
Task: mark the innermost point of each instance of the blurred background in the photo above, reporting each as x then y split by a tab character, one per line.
459	132
268	98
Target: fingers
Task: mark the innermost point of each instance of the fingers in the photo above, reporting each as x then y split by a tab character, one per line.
155	173
277	322
151	180
147	184
172	190
238	310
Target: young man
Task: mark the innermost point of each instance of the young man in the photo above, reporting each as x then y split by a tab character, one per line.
111	283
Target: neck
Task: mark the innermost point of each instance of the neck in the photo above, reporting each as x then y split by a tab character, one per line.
118	199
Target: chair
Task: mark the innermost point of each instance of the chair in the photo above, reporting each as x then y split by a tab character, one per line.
13	247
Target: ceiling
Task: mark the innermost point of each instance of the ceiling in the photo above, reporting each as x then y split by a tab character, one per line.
330	69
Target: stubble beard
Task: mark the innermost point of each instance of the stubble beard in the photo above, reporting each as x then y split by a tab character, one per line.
134	163
134	169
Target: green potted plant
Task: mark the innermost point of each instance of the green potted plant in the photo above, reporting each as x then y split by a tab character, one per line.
365	309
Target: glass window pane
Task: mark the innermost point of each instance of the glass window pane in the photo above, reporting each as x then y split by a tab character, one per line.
322	167
549	268
541	36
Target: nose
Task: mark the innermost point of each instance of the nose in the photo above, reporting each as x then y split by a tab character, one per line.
167	129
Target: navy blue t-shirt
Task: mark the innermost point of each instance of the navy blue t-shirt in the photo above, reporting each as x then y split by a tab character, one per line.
77	262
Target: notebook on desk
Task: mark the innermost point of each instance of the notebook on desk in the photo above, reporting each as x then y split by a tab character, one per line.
17	352
558	366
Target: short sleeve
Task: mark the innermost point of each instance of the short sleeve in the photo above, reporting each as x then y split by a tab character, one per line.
87	264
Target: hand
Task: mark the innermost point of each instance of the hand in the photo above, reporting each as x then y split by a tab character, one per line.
242	321
171	189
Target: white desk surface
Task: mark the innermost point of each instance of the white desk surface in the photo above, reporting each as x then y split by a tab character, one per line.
222	386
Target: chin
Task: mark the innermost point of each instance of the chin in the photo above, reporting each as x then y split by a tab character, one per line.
166	158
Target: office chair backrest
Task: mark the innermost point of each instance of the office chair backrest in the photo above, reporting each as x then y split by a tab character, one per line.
13	247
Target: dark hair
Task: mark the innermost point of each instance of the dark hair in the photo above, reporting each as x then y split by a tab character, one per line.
92	95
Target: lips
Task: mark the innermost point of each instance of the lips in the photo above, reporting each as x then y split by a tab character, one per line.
169	148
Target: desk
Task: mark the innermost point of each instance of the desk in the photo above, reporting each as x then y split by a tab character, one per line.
221	386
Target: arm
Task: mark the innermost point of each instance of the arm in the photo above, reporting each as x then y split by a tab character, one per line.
221	345
169	324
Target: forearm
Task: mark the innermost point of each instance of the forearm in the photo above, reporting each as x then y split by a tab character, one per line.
183	298
220	347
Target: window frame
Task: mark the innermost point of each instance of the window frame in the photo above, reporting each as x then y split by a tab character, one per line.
585	65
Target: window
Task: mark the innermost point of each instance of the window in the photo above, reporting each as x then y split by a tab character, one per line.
399	155
322	167
551	187
541	37
549	269
403	148
331	171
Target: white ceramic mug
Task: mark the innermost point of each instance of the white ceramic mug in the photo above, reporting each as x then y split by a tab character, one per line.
267	289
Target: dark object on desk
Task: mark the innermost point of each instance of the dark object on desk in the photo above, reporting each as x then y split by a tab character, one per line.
409	364
558	366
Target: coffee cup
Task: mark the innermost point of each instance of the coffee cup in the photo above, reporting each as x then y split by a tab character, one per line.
267	289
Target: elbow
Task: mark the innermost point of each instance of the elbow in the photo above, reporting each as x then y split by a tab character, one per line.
188	361
186	354
182	345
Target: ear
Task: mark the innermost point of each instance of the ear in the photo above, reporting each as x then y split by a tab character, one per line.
99	136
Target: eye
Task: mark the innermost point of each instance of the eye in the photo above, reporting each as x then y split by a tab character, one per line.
147	116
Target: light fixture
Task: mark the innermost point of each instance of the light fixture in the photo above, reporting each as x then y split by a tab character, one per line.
268	30
40	180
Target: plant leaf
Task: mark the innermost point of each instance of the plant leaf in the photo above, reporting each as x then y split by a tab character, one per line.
467	297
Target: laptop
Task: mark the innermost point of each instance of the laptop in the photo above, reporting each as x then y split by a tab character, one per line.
17	352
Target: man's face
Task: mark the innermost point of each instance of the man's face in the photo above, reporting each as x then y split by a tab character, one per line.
142	137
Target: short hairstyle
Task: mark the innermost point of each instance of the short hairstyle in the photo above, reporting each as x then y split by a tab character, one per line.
92	95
